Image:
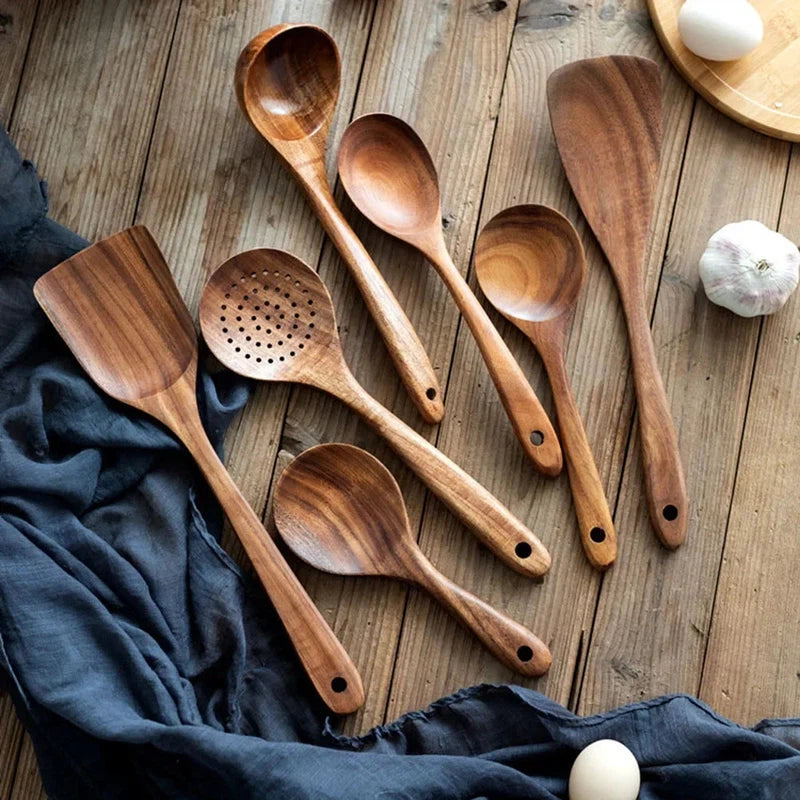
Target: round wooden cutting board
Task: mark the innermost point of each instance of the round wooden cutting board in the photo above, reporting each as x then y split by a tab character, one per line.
762	90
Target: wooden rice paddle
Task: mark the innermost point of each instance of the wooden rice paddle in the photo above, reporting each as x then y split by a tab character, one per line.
339	509
267	315
287	83
116	306
606	117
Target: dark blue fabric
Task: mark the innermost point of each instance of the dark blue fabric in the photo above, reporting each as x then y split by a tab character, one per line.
144	665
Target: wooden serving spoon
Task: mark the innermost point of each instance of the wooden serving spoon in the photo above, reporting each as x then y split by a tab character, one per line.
530	264
287	83
267	315
340	510
389	174
606	117
116	306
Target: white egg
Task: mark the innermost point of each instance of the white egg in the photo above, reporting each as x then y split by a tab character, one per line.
720	30
605	770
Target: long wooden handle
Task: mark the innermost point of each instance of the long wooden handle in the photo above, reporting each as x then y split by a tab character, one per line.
326	662
512	643
480	511
663	473
598	537
401	340
529	420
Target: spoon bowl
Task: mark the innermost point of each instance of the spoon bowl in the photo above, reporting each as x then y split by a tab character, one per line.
530	263
288	82
340	510
389	174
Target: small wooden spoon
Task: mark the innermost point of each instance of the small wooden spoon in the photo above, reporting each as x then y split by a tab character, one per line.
339	509
530	264
606	119
118	309
287	83
267	315
389	174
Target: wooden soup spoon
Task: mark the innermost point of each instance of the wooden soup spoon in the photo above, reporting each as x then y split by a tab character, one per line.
118	309
530	264
340	510
606	119
389	174
287	84
267	315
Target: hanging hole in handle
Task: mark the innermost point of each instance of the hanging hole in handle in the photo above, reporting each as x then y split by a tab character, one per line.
523	550
338	684
536	437
431	393
597	534
670	513
524	653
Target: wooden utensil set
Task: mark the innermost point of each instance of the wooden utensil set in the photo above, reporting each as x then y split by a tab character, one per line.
267	315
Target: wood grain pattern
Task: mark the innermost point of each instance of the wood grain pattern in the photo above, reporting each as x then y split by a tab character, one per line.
606	117
287	83
389	174
118	309
761	90
325	510
16	24
758	595
267	315
531	266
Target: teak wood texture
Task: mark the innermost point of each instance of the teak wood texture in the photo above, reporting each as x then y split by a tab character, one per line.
267	315
287	82
531	266
761	90
717	617
326	511
389	174
118	309
606	116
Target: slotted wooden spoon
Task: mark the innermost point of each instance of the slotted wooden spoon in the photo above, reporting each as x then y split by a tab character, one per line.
606	118
390	176
116	306
339	509
267	315
287	84
530	264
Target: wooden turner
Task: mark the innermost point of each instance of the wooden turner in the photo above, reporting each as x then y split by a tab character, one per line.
340	510
606	118
116	306
267	315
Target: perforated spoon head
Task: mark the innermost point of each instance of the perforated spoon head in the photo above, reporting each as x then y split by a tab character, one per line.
530	264
287	83
389	174
267	315
340	510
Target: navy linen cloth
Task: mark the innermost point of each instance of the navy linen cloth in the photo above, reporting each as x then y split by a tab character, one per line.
145	665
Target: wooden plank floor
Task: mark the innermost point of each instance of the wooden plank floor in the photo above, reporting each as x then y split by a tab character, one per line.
128	110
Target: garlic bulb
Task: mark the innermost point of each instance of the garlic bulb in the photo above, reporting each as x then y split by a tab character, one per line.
720	30
749	269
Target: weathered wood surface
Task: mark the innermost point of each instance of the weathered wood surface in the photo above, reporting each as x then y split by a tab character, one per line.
146	89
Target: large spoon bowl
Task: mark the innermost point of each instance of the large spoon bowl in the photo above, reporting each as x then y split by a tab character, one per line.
531	266
530	263
389	174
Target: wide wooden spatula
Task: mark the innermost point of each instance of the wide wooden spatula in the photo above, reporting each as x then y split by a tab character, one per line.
116	306
606	118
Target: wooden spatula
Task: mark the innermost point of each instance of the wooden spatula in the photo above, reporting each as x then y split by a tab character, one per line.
606	118
116	306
